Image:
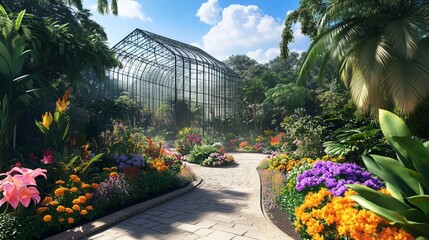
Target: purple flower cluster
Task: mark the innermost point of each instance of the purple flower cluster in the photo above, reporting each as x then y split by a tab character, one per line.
193	139
129	160
335	176
259	146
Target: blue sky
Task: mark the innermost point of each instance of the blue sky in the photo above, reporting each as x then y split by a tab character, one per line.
220	27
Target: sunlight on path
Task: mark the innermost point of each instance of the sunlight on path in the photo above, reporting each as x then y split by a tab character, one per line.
225	206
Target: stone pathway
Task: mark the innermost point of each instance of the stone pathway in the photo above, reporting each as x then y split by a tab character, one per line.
225	206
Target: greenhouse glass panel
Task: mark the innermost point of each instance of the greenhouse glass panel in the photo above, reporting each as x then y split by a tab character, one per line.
158	71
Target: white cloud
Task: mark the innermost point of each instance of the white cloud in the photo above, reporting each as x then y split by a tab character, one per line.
264	56
128	9
242	29
132	9
209	12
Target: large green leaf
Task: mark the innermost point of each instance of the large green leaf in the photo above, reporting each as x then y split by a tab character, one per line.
19	20
393	126
422	202
386	214
418	153
382	199
392	171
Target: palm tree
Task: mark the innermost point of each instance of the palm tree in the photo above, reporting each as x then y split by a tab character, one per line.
102	5
381	49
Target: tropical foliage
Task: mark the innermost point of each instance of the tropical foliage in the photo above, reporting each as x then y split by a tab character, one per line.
379	48
406	177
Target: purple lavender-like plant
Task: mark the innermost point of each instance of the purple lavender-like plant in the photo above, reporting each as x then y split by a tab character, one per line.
130	160
335	176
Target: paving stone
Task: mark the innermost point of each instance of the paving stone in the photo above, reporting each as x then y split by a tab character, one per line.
204	232
217	235
188	227
206	223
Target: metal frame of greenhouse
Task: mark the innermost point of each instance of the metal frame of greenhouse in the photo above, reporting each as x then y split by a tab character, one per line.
157	70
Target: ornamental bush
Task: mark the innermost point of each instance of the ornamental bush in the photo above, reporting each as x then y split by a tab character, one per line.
218	159
201	153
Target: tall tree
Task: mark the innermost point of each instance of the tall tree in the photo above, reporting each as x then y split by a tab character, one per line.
381	49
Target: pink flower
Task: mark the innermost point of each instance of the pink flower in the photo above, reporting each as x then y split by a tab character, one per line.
18	186
48	157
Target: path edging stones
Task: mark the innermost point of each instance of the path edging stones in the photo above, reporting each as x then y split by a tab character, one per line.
111	219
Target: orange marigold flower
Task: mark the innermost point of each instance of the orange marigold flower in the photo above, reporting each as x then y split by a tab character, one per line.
76	201
70	220
73	189
47	218
95	185
86	185
41	210
114	168
83	212
59	192
113	174
69	210
76	207
46	200
74	178
59	182
61	220
88	195
61	208
53	203
106	169
89	208
82	199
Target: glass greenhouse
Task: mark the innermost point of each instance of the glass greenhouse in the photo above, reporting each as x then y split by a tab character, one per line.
160	71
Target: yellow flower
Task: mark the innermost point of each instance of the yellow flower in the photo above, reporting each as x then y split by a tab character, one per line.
47	119
69	210
76	201
70	220
76	207
113	174
83	212
106	169
62	105
59	182
73	189
47	218
114	168
53	203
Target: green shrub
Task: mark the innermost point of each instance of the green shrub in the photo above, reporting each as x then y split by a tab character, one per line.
201	153
21	227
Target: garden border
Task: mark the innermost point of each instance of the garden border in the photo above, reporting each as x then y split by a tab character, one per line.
116	217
